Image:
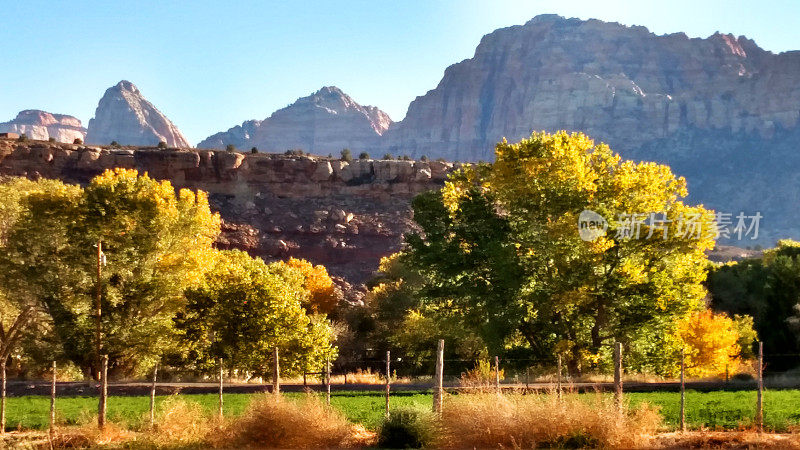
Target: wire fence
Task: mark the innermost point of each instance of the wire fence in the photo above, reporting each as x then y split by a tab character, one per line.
390	375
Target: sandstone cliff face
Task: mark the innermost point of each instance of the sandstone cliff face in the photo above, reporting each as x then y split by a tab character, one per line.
125	116
42	125
622	85
324	122
343	215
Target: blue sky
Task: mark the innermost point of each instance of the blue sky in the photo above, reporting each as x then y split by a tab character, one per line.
209	65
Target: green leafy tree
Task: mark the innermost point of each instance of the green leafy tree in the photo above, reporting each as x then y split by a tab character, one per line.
156	244
768	289
244	309
501	244
363	155
346	155
162	145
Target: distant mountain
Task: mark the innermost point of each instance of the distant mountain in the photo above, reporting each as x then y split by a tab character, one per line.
324	122
125	116
42	125
622	85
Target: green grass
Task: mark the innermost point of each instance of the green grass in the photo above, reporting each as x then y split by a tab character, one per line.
715	410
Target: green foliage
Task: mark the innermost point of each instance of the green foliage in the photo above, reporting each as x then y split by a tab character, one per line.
500	250
22	138
156	244
363	155
423	158
346	155
162	145
408	428
114	144
295	152
244	309
388	156
51	139
254	150
768	289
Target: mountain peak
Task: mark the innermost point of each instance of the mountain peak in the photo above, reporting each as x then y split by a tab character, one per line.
125	116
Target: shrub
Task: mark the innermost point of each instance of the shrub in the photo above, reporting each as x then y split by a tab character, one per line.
51	139
481	376
388	156
408	428
406	158
528	421
114	144
180	422
295	152
346	155
423	158
162	145
271	422
78	141
363	155
254	150
22	137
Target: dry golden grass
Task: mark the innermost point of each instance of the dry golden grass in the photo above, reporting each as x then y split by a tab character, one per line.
271	422
527	421
89	436
726	439
179	422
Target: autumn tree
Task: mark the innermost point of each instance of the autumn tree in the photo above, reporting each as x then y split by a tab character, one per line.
156	244
244	309
501	245
323	295
713	342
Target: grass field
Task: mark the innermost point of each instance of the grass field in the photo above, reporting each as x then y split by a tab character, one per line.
714	410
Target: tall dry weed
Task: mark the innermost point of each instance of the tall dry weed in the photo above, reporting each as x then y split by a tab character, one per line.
180	422
271	422
527	421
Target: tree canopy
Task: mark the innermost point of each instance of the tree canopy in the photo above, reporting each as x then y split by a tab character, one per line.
501	249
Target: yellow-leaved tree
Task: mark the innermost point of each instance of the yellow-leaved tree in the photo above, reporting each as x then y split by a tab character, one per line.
712	342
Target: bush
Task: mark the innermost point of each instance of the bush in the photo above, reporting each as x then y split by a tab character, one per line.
271	422
408	428
180	421
423	158
406	158
51	139
531	421
254	150
295	152
22	137
78	141
363	155
346	155
162	145
388	156
114	144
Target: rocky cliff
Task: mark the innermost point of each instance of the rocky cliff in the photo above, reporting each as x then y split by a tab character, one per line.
622	85
125	116
343	215
324	122
42	125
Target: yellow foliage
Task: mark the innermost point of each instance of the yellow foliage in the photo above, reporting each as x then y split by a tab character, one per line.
323	296
710	341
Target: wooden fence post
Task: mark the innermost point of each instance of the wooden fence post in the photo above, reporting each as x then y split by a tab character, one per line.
276	373
618	375
497	374
53	404
388	380
683	390
439	380
153	397
3	396
760	395
102	404
527	378
558	379
328	380
219	412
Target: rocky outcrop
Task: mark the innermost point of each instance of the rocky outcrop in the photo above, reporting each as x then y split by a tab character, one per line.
345	215
42	125
125	116
622	85
326	121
